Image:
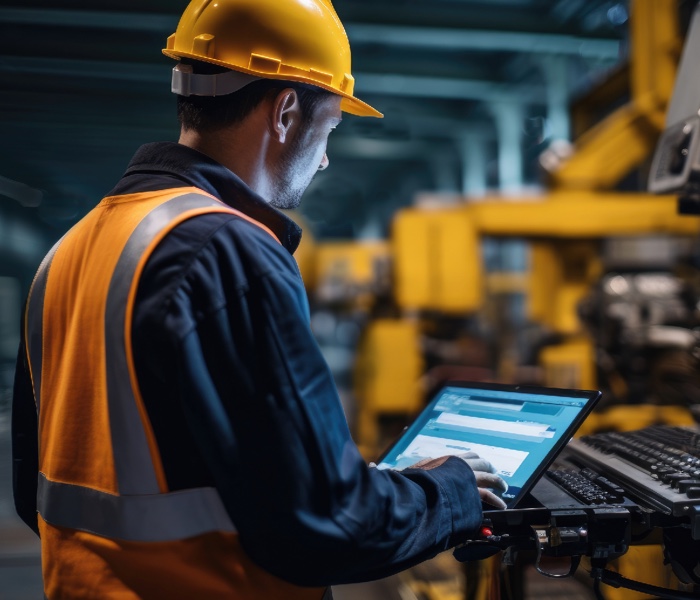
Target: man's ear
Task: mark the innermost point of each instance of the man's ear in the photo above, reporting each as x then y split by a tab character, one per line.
286	112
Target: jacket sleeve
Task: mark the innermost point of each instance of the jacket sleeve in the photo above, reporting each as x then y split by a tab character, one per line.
25	445
266	417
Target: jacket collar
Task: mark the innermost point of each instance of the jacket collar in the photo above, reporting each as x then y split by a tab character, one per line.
196	169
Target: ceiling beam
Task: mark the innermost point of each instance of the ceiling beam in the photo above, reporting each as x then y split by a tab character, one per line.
483	40
84	68
376	149
368	83
103	19
446	88
359	33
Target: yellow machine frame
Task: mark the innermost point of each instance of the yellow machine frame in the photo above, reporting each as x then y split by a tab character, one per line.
564	229
436	261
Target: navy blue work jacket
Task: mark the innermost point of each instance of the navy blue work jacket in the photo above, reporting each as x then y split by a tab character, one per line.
240	398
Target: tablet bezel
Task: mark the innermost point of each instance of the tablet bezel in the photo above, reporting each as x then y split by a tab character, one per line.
590	396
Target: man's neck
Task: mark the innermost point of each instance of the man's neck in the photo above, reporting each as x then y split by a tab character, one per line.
241	149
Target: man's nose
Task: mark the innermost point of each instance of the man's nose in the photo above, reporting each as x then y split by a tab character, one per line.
324	163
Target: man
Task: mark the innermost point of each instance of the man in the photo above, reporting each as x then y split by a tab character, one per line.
176	432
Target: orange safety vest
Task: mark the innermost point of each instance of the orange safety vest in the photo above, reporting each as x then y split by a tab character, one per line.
110	528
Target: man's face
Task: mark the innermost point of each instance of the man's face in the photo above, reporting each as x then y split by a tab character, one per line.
305	154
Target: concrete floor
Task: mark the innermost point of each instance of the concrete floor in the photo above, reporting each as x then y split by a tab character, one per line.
20	561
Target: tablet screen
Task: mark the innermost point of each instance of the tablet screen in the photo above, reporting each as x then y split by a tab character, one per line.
518	429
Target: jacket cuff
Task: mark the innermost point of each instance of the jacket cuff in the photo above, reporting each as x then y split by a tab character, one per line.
460	493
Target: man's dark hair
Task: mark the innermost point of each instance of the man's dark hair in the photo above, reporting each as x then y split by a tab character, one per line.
207	113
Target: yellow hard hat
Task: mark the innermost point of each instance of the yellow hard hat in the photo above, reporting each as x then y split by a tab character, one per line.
294	40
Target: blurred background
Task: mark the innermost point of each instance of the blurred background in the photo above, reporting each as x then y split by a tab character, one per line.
493	226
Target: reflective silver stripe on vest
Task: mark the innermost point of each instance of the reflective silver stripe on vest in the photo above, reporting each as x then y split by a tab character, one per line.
161	517
132	458
140	513
35	321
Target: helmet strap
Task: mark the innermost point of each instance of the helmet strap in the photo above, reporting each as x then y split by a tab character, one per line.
187	83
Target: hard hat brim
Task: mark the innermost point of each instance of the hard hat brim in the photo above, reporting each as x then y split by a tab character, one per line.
354	106
349	104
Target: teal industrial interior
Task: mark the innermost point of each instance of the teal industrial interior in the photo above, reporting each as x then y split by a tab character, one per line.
494	226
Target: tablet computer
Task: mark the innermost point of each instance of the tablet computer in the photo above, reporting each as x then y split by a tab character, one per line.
519	429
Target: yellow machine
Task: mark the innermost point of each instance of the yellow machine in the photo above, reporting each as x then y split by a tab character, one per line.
432	267
438	272
436	251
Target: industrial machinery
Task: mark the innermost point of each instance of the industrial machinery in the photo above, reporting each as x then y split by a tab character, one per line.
428	308
608	492
613	290
580	236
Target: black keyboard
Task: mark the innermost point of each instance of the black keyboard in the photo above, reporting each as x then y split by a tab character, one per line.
658	466
587	486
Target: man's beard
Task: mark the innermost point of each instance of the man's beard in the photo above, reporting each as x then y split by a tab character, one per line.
288	196
291	184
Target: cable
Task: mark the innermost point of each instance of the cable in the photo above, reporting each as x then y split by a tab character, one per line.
601	575
596	589
575	561
616	580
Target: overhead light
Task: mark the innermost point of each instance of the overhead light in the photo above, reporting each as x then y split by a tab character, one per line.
617	14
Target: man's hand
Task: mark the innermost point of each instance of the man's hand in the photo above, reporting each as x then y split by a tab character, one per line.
484	472
486	479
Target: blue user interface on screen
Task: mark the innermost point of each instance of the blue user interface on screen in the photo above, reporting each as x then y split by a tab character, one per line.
514	431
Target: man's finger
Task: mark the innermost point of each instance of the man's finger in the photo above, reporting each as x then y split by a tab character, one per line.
488	497
479	464
489	480
469	454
